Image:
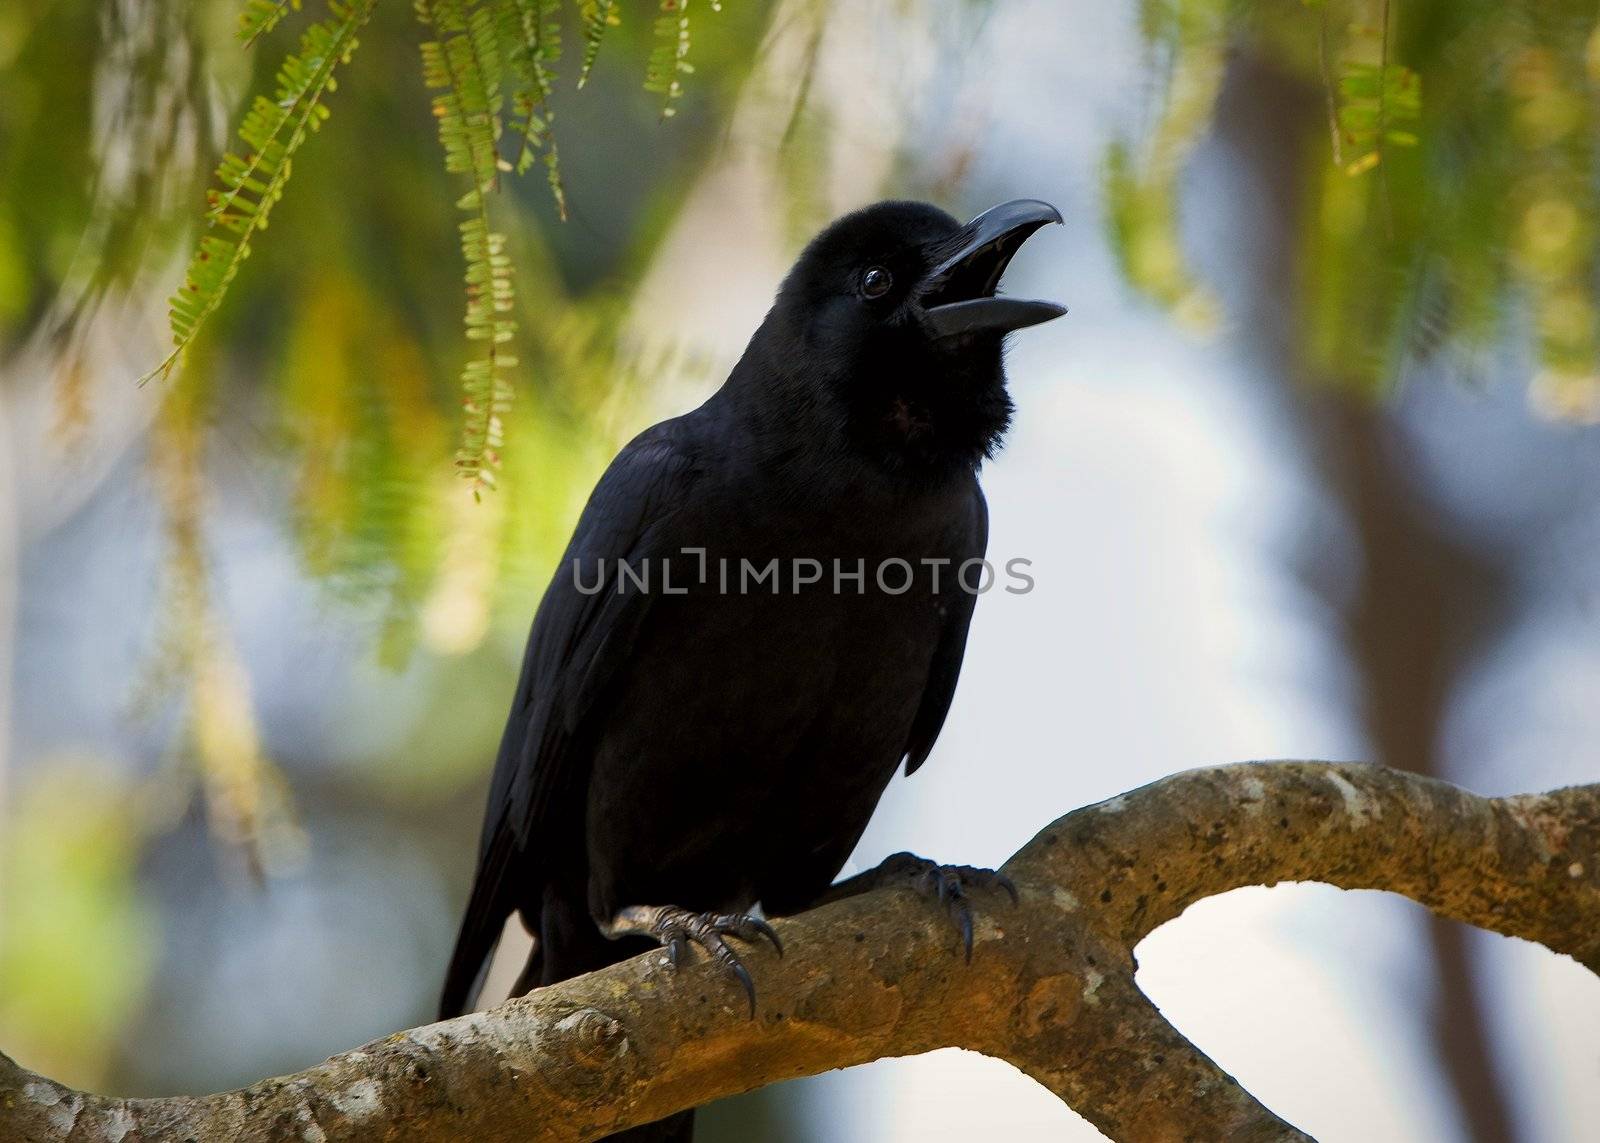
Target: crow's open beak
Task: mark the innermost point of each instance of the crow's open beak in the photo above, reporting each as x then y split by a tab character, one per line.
958	293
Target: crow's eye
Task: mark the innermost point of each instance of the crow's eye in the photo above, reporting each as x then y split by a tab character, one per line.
875	282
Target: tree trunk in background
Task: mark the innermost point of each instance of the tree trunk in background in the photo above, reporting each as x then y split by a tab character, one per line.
9	544
1421	603
1423	606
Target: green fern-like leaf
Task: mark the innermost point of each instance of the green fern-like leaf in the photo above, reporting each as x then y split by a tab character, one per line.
596	16
531	37
1378	104
259	17
486	392
669	59
464	67
251	185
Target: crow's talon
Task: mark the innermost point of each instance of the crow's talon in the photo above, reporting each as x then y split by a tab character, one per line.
750	929
951	886
677	928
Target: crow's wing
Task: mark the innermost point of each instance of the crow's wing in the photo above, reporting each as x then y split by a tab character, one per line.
579	640
946	666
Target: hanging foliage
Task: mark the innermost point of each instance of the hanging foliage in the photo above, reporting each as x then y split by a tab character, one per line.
250	185
492	68
1451	203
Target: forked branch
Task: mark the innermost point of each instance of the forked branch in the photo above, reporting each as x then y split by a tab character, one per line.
1050	987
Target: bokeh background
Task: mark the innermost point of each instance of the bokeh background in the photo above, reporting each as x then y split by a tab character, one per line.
1311	470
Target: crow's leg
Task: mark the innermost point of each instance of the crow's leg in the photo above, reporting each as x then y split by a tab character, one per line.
947	884
676	928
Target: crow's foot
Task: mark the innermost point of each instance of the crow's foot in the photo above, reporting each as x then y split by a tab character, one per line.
950	885
677	928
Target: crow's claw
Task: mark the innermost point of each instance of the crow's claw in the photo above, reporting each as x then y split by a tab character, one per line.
950	886
748	928
677	928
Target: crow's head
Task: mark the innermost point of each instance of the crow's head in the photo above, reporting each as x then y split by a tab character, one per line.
892	318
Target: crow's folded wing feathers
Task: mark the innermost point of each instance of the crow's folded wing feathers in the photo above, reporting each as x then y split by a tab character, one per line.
578	641
946	666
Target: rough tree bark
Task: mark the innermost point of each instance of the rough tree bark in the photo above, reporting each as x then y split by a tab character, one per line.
1050	987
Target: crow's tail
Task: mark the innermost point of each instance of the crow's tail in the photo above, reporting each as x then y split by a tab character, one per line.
569	944
487	910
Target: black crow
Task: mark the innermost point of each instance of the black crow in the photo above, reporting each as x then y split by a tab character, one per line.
761	614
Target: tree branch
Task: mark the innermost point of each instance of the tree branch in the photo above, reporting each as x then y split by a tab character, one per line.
1050	987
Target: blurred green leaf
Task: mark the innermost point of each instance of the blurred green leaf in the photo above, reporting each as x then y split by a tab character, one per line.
78	941
1458	193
